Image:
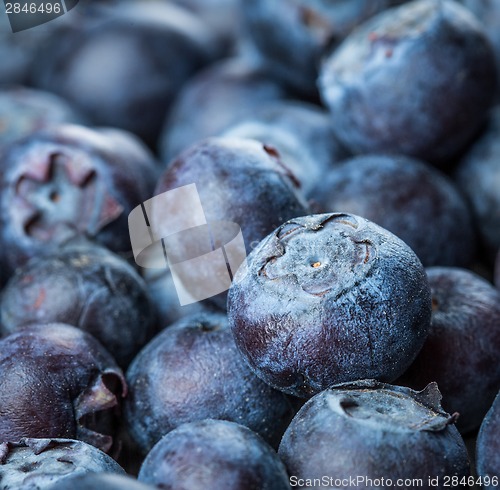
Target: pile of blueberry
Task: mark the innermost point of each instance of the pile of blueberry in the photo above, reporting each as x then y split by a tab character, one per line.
354	145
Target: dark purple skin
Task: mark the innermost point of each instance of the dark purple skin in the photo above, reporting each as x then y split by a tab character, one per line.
416	80
211	455
86	286
102	481
293	35
58	382
302	135
213	100
488	12
117	67
70	181
463	347
497	270
413	200
478	176
193	371
488	447
238	180
326	299
40	463
25	110
371	430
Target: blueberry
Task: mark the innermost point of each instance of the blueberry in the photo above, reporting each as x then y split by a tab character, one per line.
302	135
488	447
478	176
25	110
213	454
497	270
58	381
86	286
377	435
417	79
192	371
414	201
326	299
124	67
39	463
293	35
214	99
70	181
463	346
238	181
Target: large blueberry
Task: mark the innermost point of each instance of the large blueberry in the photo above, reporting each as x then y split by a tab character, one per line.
69	181
192	371
417	80
102	481
38	463
326	299
488	447
213	455
86	286
377	436
58	381
414	201
463	347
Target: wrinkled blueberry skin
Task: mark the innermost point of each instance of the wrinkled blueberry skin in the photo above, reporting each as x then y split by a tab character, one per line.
217	97
413	200
376	431
211	455
25	110
192	371
240	181
58	381
38	463
70	181
478	176
302	135
102	481
97	64
86	286
416	80
463	347
294	35
326	299
488	444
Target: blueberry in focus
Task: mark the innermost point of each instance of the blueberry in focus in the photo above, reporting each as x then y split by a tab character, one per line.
478	176
415	201
326	299
417	80
214	99
123	68
302	135
192	371
488	447
39	463
69	181
377	432
293	36
58	382
87	286
463	347
211	455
